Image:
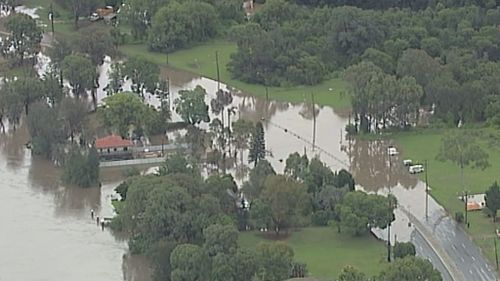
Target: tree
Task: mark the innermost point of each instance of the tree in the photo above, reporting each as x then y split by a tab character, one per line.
191	106
288	201
493	199
275	261
418	64
51	86
11	102
462	149
81	8
123	112
359	212
246	264
256	179
143	73
81	167
25	36
404	249
95	41
73	112
220	239
46	130
80	72
189	263
180	24
410	269
116	80
139	13
350	273
29	90
242	132
257	151
296	166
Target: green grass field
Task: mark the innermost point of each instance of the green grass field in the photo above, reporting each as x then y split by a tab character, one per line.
445	181
326	252
201	60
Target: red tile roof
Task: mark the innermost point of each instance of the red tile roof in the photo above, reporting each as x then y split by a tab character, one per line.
112	142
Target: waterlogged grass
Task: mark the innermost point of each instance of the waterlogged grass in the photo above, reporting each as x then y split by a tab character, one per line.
326	252
445	181
201	60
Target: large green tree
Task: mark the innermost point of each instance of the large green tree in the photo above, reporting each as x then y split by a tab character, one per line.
493	199
25	36
81	167
257	150
359	212
179	24
189	263
143	73
287	199
80	72
123	112
410	269
46	130
191	106
275	261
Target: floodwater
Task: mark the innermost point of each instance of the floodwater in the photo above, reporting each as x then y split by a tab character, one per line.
47	231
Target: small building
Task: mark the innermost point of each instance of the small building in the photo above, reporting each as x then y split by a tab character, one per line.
114	147
475	202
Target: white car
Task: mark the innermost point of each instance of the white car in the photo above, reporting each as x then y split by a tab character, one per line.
392	151
415	169
407	162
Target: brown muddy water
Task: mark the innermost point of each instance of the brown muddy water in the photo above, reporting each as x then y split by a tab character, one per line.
47	233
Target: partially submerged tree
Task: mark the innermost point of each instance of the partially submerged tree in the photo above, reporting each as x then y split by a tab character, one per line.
191	106
80	72
257	151
25	37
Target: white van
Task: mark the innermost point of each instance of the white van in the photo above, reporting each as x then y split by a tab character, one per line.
392	151
415	169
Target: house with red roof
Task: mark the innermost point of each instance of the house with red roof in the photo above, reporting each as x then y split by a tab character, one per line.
114	147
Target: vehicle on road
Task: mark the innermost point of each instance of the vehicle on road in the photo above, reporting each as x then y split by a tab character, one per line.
407	162
392	151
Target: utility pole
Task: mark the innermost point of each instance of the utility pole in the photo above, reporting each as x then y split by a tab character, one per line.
314	120
465	207
426	194
51	17
390	207
267	94
496	251
218	73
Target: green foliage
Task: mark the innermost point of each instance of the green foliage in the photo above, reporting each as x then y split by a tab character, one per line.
359	212
220	239
180	24
25	37
257	177
73	112
350	273
191	106
143	73
96	42
80	72
288	201
409	269
275	261
493	199
257	150
189	263
81	167
404	249
46	130
126	111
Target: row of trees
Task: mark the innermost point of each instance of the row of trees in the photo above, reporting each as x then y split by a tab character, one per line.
170	25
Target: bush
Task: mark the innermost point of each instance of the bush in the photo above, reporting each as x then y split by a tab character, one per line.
321	218
81	168
402	249
459	217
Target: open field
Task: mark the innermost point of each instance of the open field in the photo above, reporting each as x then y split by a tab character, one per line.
326	252
444	178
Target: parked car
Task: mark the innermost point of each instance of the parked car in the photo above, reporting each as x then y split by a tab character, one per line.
407	162
392	151
415	169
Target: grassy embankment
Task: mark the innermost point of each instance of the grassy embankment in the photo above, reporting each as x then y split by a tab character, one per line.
445	181
326	252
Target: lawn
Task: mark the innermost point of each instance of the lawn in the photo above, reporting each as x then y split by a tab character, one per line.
326	252
201	60
444	177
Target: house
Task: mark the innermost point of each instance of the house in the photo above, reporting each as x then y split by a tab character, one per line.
114	147
475	202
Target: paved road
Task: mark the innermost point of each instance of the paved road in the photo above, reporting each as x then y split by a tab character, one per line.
424	250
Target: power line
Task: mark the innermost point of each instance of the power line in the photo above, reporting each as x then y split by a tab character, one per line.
331	155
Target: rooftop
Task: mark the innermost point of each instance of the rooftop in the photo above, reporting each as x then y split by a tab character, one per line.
112	141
